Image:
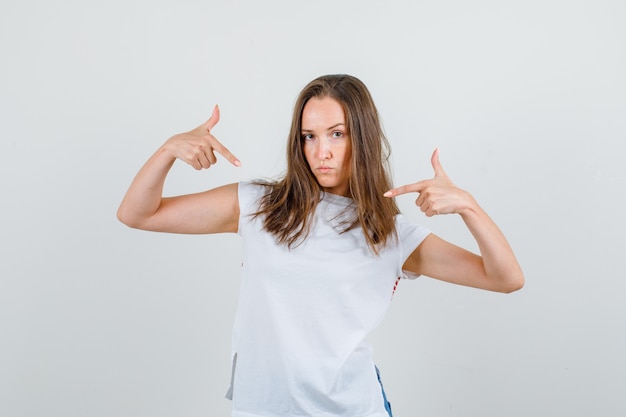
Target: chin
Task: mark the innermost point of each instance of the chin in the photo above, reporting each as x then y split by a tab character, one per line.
326	185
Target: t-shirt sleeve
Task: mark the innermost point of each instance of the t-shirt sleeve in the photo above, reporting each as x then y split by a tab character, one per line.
409	238
249	195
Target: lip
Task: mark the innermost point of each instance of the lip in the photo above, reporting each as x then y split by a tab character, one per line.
324	169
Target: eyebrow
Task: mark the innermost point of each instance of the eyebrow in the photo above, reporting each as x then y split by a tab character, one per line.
330	128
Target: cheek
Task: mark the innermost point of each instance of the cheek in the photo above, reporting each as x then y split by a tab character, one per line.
308	153
347	155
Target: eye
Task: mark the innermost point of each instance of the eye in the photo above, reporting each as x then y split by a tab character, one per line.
337	134
307	136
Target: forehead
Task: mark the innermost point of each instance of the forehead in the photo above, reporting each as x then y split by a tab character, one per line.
322	112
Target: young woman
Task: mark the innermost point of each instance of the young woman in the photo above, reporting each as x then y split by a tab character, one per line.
323	249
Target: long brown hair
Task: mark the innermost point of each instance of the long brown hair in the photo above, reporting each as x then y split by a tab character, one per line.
290	201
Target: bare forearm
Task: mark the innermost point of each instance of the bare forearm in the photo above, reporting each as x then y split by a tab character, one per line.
144	195
499	261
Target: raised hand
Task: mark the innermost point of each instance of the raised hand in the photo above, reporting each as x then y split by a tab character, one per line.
437	195
197	146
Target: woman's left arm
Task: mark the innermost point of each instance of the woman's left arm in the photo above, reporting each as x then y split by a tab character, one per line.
496	268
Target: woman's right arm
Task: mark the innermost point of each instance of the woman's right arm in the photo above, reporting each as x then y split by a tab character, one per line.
212	211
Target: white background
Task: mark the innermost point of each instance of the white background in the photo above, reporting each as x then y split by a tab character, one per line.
526	100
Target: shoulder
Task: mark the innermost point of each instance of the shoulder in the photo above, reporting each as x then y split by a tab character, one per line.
250	194
410	234
250	187
254	188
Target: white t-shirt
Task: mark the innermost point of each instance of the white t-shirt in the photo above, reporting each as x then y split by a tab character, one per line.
299	339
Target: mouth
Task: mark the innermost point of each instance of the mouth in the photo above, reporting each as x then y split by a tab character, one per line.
323	169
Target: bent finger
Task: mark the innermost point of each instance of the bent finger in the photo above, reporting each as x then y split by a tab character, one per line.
211	157
204	160
195	164
420	200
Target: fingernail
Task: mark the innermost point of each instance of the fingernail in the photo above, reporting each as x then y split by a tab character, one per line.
237	163
388	194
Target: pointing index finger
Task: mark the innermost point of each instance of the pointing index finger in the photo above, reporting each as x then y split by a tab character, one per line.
405	189
222	150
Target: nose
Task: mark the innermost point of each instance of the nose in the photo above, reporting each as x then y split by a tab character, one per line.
323	149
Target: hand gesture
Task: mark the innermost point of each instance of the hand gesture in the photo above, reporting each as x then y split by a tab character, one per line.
197	146
437	195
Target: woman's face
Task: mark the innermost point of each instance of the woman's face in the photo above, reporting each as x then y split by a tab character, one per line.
326	144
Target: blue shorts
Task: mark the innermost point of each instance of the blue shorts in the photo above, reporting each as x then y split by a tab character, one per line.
387	403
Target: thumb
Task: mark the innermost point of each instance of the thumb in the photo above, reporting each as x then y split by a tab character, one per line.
215	117
437	167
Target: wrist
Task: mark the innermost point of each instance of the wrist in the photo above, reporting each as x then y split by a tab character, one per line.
469	206
168	149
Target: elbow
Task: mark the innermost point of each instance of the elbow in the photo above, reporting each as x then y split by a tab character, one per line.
514	283
133	218
125	217
121	216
